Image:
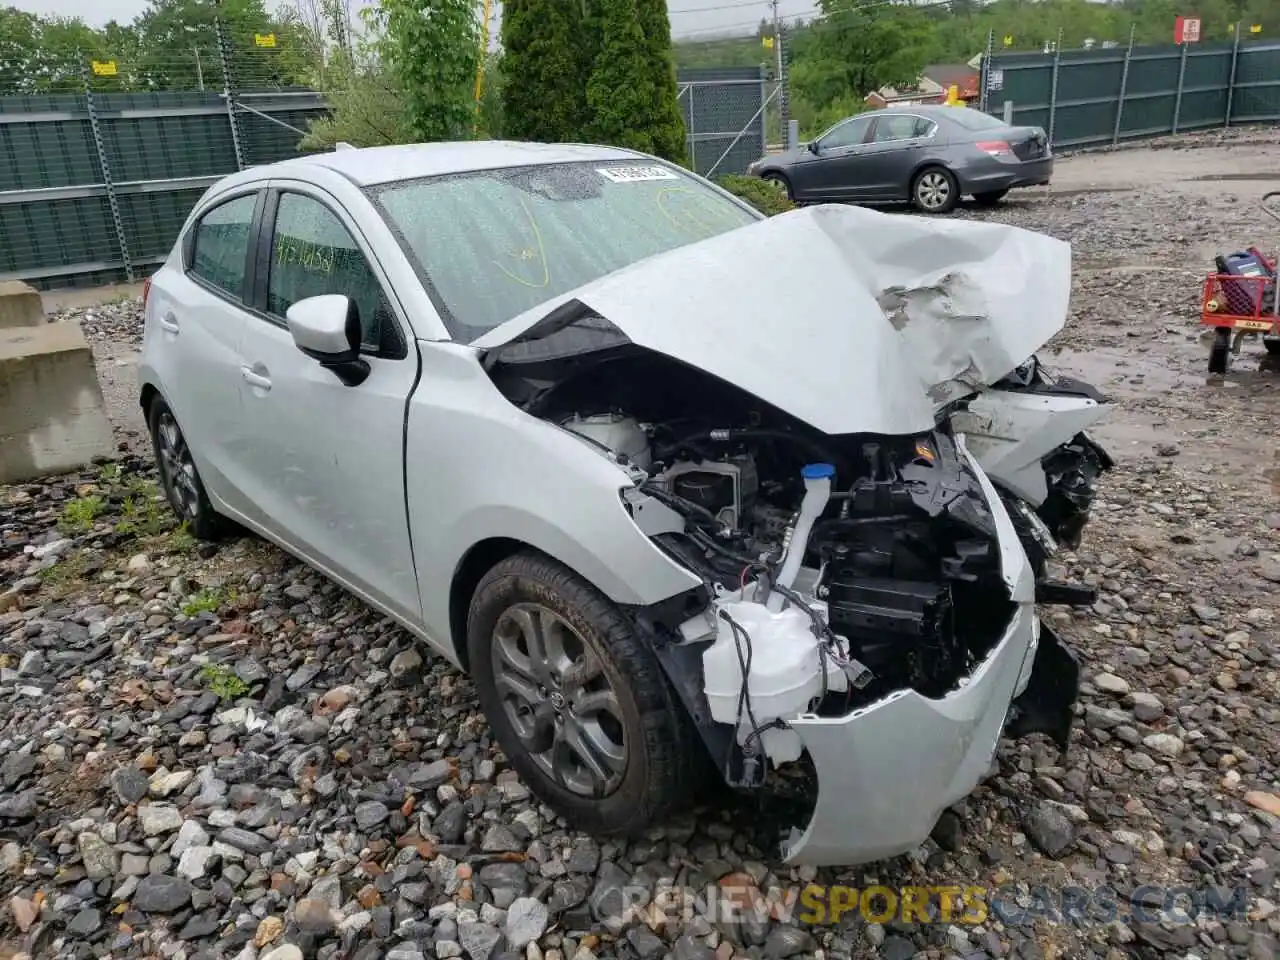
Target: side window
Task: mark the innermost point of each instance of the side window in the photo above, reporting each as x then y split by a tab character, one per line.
895	128
221	244
848	133
924	127
312	254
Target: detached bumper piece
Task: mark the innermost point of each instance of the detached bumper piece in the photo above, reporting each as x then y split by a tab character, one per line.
1047	704
1066	594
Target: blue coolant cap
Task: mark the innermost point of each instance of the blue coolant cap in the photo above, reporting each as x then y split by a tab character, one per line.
818	471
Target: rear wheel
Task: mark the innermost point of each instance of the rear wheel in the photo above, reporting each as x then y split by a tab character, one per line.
990	198
1272	345
935	190
179	477
577	701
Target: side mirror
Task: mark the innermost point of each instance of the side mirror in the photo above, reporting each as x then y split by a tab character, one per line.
327	329
812	147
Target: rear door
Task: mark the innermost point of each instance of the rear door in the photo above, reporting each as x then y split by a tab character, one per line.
899	142
196	318
326	463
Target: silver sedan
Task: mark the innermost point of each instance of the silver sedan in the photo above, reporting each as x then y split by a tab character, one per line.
591	429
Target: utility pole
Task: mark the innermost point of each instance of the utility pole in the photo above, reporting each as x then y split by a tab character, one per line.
780	72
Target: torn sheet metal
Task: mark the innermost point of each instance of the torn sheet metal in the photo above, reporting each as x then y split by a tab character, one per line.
848	319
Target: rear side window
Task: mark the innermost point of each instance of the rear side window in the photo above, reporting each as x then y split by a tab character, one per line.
899	127
221	244
924	127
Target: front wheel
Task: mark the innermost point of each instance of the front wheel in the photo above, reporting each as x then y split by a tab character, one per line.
780	181
935	190
1272	345
179	477
990	198
577	701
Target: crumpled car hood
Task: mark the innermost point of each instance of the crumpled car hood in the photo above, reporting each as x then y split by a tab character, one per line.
845	318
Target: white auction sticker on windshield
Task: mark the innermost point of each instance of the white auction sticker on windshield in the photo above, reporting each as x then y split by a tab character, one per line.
635	174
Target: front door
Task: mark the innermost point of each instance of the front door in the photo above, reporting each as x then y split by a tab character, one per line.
328	460
834	170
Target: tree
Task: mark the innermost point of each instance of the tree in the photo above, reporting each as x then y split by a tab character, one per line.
544	76
857	48
621	90
665	118
433	49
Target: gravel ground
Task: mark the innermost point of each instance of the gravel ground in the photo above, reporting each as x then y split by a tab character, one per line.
213	752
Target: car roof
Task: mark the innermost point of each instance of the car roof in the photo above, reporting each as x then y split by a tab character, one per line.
367	166
921	109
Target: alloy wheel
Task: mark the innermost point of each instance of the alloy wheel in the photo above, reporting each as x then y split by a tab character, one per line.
559	700
177	469
934	190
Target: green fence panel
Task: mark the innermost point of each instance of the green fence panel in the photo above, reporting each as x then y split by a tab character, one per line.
1257	87
1166	89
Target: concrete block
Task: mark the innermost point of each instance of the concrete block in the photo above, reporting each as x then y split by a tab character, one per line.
19	305
52	418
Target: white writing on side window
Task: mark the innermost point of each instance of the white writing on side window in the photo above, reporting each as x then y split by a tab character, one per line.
633	174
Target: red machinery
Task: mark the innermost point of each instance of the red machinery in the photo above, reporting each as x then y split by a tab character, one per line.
1240	300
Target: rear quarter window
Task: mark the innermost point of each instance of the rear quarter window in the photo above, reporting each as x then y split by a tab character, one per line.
220	244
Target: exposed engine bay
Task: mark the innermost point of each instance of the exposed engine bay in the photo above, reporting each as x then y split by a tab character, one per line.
837	570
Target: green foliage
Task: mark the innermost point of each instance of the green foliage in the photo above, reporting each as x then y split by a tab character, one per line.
204	601
621	90
665	119
367	109
222	681
544	81
857	49
78	514
490	119
432	48
767	197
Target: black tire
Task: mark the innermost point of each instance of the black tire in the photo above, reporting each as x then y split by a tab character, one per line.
1220	352
655	750
935	190
990	198
781	180
1272	345
189	501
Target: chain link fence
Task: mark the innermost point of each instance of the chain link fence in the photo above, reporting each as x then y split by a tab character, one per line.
724	113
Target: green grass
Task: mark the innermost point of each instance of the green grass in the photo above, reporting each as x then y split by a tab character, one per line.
205	601
78	514
223	682
144	512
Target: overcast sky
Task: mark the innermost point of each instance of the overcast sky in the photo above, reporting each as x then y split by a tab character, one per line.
689	18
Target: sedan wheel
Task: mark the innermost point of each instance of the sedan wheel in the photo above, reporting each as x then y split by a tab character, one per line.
935	191
178	475
781	182
577	701
558	700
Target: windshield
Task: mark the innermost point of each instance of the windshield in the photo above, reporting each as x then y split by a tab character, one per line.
491	244
975	119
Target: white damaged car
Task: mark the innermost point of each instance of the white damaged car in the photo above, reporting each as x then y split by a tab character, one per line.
680	487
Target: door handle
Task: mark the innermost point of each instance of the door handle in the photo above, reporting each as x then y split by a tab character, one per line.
255	379
169	322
